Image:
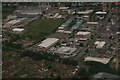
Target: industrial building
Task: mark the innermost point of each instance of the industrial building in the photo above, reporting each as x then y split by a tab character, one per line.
47	43
17	30
65	50
106	76
63	31
100	13
13	22
81	35
99	44
66	24
31	10
63	8
96	59
92	23
78	23
85	12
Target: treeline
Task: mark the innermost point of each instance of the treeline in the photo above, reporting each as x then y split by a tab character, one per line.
43	55
69	62
99	67
95	67
12	45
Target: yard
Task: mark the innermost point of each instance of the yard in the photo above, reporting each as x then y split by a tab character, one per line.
40	28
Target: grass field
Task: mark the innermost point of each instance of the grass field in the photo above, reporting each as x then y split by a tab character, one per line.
41	28
7	11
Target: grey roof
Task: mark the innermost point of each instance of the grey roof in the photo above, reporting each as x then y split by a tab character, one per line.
105	75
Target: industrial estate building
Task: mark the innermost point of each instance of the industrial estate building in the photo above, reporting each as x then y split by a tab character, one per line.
47	43
99	44
101	60
65	50
18	30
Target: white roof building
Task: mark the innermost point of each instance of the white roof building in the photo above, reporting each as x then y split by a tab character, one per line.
48	42
59	16
12	22
82	33
65	50
85	12
100	12
92	22
101	60
62	31
99	44
63	7
17	29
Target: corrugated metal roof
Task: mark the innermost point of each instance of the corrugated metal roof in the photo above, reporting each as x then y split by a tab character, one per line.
48	42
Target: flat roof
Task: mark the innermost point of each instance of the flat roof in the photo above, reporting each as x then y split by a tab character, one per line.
15	21
68	22
105	75
101	60
65	50
75	26
100	44
92	22
48	42
63	7
18	29
100	12
83	12
82	33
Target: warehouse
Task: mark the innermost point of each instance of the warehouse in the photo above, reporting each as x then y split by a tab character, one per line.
76	26
63	31
96	59
65	50
85	12
17	30
83	36
66	24
92	23
47	43
13	22
99	44
101	13
106	76
83	33
63	8
31	10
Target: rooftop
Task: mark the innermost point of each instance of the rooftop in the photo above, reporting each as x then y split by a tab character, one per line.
100	44
105	75
48	42
101	60
65	50
82	33
18	29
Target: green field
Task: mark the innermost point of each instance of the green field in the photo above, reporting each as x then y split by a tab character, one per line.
41	28
7	11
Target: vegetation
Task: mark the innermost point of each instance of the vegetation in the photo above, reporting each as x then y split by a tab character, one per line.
7	10
41	28
20	73
13	45
99	67
69	62
42	55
